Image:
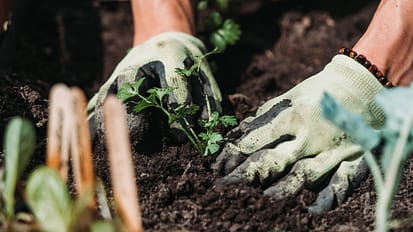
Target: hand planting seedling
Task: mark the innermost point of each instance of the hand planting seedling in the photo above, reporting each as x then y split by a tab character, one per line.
397	134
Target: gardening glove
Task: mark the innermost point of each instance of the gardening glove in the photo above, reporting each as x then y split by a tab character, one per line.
157	60
289	146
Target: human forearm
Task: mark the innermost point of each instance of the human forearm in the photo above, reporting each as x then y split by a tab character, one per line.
388	41
152	17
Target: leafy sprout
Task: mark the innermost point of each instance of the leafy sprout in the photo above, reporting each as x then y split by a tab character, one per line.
206	142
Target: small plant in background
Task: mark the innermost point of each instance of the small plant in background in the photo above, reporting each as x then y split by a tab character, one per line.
222	32
52	206
51	203
397	134
19	141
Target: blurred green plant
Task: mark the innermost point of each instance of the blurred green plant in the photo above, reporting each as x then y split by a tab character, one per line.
47	195
19	143
222	31
396	133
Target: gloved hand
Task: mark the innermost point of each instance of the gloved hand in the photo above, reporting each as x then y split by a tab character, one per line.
289	132
157	60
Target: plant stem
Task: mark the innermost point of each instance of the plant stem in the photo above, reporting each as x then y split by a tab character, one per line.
388	189
190	137
375	170
195	136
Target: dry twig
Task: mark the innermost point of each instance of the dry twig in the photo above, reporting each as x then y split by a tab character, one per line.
68	137
121	165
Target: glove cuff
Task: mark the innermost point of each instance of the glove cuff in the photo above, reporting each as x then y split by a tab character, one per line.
185	38
362	83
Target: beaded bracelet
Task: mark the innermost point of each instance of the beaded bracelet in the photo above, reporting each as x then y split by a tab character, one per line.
366	63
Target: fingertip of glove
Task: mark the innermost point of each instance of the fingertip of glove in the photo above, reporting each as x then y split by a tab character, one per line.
228	159
229	179
324	202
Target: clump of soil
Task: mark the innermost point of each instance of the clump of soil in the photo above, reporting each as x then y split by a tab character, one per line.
79	42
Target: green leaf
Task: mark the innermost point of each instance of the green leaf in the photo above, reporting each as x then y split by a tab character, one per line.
184	72
215	137
102	226
160	92
352	124
222	4
184	111
49	200
18	148
397	115
228	34
202	4
203	136
228	120
129	90
142	105
214	20
212	148
212	139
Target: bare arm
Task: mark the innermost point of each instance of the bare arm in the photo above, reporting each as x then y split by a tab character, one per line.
388	41
152	17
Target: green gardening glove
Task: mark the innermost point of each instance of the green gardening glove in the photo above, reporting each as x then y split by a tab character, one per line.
157	60
289	146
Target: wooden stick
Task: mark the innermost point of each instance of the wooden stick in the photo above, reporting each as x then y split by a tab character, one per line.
59	129
82	162
121	165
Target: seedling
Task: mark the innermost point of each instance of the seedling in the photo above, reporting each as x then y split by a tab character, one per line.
211	138
397	134
206	142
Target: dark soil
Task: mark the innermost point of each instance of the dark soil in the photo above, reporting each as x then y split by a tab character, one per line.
79	42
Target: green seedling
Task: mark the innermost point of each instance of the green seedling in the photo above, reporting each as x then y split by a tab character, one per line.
206	142
222	32
211	138
397	134
156	99
19	145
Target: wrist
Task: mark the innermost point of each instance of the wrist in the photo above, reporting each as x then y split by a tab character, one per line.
158	16
389	43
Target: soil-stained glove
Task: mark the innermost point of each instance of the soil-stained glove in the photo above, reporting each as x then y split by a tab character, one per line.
289	139
157	60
